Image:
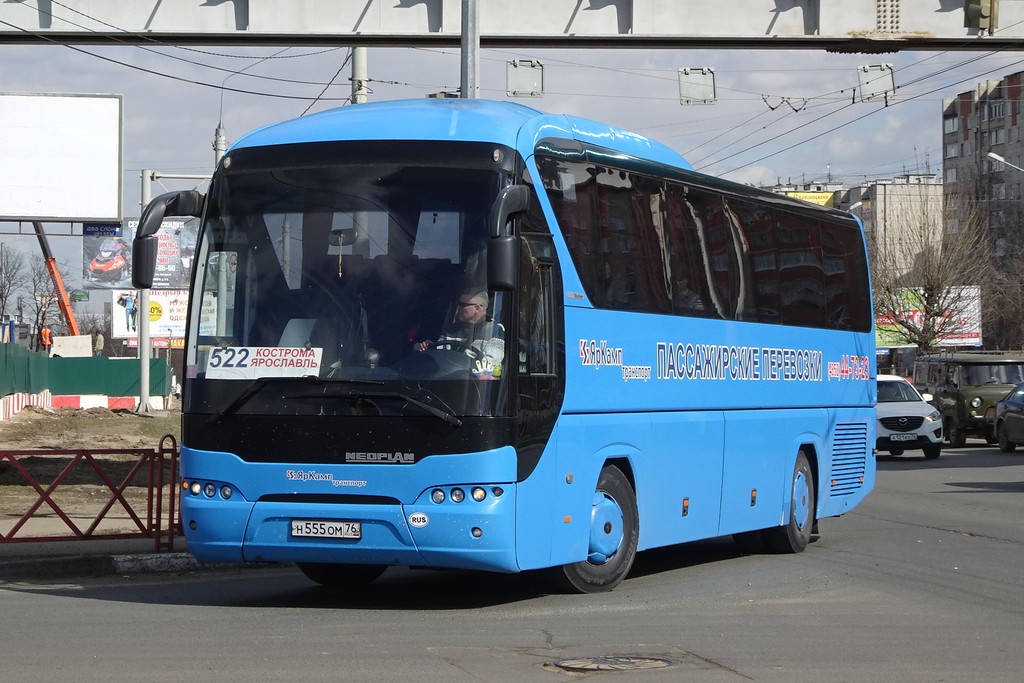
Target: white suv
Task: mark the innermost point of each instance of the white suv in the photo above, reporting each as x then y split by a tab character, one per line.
905	420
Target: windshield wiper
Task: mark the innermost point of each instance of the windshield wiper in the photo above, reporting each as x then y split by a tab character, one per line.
259	383
445	415
357	394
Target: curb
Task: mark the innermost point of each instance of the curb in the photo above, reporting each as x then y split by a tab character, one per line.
75	566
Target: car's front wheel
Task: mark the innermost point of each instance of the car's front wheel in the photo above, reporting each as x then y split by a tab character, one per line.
957	437
932	452
1005	445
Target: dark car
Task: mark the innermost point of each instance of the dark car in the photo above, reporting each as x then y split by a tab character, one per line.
1010	419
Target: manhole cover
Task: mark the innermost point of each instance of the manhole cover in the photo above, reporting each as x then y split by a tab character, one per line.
612	663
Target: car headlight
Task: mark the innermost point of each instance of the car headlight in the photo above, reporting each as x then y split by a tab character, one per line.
934	416
976	401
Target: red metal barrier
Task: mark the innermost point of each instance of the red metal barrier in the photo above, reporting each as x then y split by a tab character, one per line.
88	472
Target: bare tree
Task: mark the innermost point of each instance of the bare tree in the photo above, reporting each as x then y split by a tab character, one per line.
923	275
42	298
12	266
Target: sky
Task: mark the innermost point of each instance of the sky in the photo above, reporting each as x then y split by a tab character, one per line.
779	116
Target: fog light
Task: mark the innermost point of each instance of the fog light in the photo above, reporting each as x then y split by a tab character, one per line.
477	532
226	492
210	490
478	494
437	495
458	495
195	488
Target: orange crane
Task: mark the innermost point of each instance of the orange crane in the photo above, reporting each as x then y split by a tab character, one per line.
63	302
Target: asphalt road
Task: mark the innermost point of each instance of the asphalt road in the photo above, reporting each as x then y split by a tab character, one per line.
921	583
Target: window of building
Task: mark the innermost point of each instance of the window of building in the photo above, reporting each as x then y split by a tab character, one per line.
950	124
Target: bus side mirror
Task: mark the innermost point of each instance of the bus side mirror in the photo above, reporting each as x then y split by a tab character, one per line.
502	257
144	261
503	249
144	246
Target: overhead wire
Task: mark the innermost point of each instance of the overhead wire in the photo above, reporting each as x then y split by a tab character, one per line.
630	72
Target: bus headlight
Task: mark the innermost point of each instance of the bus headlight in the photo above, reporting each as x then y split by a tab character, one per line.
437	495
478	494
458	495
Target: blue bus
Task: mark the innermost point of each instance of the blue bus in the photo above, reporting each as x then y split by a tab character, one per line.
468	334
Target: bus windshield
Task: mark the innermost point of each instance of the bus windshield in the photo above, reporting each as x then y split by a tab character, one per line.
341	287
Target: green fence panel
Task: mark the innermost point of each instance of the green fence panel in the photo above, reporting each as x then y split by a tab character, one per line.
101	375
22	370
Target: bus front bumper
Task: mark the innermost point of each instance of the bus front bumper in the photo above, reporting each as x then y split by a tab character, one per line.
464	535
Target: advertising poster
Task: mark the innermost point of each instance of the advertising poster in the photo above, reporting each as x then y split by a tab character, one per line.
107	255
167	313
965	330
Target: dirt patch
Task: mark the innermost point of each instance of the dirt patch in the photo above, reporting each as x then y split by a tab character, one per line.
86	484
89	428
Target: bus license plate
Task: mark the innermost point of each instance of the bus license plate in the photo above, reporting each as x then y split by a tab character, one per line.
903	437
326	528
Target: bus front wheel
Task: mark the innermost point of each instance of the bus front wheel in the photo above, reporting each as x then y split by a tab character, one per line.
341	576
614	530
794	536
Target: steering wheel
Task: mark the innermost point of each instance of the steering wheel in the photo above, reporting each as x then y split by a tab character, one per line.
463	347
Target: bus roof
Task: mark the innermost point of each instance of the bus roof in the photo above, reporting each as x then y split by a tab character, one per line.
465	120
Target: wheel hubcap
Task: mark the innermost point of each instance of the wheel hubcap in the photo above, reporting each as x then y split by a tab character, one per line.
801	499
605	528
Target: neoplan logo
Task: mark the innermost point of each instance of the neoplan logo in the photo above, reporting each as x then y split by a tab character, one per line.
396	458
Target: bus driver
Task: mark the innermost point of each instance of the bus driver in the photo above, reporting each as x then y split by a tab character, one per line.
472	331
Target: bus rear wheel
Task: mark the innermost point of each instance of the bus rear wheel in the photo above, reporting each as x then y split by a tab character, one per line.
614	531
341	576
794	536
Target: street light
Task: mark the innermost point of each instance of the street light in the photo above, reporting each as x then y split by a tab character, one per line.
995	157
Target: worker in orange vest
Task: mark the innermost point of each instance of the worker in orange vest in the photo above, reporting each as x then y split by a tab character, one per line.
46	338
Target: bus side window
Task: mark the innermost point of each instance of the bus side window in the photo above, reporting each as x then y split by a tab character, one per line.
535	306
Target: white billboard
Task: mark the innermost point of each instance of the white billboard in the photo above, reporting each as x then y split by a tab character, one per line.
60	157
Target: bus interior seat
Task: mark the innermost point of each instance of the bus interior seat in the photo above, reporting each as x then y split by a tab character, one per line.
297	332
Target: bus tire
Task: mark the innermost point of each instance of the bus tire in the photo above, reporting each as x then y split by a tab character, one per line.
341	576
794	536
614	531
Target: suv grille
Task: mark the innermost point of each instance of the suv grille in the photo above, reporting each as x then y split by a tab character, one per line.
902	424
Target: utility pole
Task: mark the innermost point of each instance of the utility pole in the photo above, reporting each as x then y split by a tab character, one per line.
359	75
470	49
142	313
